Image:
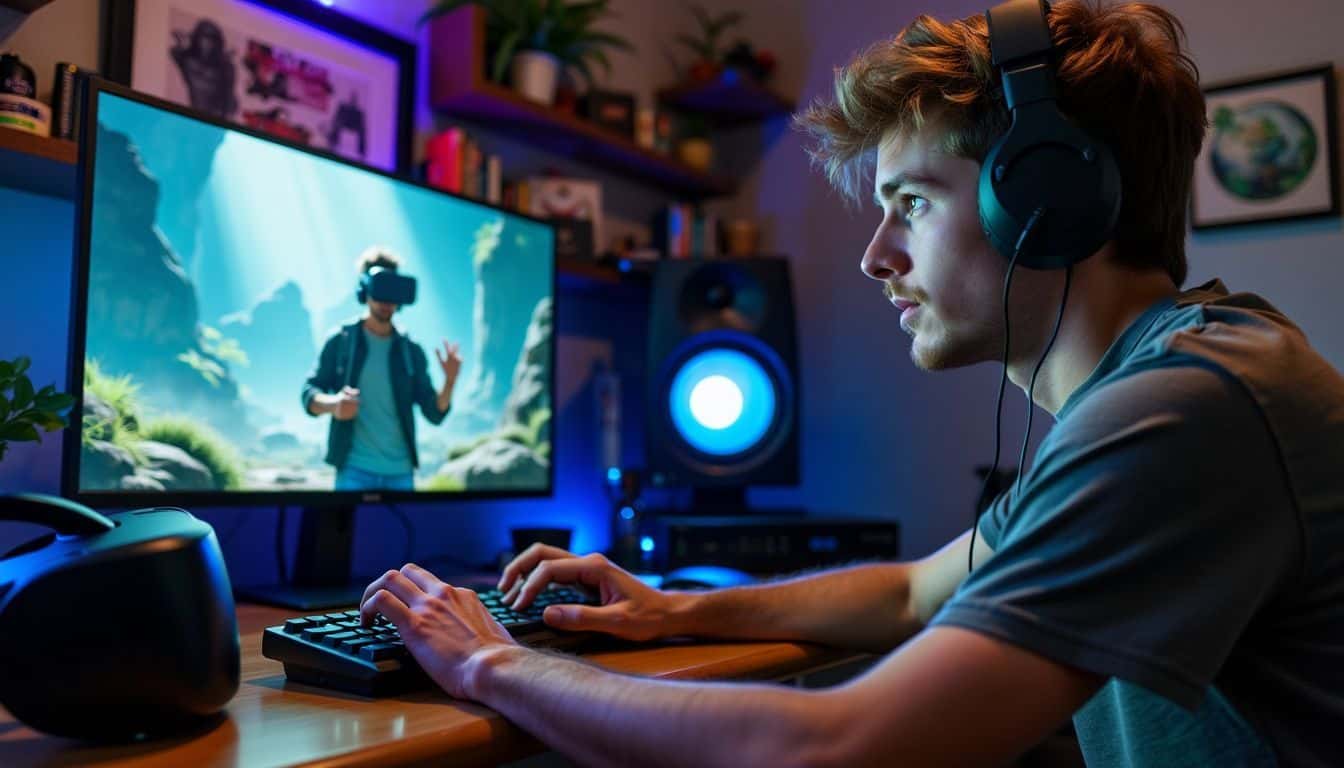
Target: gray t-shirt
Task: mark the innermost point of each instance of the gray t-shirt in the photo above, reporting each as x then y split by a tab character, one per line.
1181	534
379	445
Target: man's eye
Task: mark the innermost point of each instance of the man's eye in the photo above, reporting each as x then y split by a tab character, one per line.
911	204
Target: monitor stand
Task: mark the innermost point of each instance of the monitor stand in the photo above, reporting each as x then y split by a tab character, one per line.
321	576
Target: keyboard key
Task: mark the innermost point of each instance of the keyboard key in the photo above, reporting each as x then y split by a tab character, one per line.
337	616
335	638
316	633
353	645
380	651
295	626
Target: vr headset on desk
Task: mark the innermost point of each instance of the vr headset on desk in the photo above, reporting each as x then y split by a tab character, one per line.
115	627
387	286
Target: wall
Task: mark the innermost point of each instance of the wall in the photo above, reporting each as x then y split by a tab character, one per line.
881	437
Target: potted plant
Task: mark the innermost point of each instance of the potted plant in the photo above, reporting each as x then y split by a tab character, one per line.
22	410
532	40
708	60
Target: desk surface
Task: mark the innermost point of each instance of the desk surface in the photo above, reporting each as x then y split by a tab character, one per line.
273	722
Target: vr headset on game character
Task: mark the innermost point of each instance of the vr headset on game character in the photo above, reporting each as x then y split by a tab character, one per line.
387	286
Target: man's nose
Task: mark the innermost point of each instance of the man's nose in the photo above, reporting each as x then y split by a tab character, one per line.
886	256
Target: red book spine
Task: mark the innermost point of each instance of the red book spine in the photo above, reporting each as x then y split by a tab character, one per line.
444	156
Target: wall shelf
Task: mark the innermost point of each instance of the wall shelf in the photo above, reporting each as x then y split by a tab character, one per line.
37	164
728	99
458	87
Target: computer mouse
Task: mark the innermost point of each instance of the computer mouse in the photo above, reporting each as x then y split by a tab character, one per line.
693	577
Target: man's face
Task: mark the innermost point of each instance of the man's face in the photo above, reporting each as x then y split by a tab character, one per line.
929	252
382	310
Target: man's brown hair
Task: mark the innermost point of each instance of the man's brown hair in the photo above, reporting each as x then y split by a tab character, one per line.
377	256
1123	76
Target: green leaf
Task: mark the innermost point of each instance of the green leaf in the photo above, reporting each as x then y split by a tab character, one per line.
21	365
504	55
51	422
19	431
4	407
57	401
23	392
6	370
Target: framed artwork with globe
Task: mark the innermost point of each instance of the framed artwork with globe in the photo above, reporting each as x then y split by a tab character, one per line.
1270	152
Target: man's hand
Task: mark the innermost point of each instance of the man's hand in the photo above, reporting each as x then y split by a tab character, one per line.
346	406
630	608
442	625
450	361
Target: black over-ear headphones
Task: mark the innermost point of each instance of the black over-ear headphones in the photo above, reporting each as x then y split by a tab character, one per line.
1049	194
1044	166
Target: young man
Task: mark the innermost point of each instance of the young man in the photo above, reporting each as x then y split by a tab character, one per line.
369	377
1169	571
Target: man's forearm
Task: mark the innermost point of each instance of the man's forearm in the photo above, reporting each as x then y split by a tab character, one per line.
865	607
444	399
603	718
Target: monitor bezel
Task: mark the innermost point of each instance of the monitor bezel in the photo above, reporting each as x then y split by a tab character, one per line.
70	464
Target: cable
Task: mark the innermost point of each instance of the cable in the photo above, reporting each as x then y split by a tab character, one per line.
1031	388
1003	380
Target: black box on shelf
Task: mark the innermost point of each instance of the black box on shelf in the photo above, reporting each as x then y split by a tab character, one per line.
611	109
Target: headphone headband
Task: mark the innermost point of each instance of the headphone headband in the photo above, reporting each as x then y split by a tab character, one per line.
1044	161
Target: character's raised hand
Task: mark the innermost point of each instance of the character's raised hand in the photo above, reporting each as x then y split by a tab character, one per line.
450	360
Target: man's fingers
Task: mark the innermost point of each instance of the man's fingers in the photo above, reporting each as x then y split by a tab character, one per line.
527	561
581	618
422	578
394	582
389	605
585	570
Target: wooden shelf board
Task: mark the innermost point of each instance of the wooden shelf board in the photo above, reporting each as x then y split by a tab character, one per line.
729	98
37	164
504	111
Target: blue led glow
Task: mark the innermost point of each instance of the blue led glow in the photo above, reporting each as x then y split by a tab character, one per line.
722	402
646	544
613	475
327	3
627	513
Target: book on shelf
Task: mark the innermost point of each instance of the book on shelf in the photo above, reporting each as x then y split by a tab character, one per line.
681	231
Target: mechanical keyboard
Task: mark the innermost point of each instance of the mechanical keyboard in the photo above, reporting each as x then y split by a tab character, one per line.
333	650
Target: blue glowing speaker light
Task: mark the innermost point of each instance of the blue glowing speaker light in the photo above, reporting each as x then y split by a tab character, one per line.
722	386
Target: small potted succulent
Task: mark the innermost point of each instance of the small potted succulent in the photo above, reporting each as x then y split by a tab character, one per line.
531	41
23	410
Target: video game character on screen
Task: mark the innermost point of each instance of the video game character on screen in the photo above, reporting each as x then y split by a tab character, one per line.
370	376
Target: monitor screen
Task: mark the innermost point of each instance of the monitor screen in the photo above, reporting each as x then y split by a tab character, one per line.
253	319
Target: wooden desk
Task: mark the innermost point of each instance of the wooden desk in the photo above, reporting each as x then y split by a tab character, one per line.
272	722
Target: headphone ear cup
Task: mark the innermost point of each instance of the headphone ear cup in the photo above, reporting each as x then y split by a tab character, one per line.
1044	161
362	290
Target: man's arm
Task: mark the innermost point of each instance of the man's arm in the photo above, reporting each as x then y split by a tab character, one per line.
950	696
869	607
872	607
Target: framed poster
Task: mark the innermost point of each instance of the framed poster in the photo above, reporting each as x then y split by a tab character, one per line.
291	68
1270	152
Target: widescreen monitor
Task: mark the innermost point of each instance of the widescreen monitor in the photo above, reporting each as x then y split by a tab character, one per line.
218	294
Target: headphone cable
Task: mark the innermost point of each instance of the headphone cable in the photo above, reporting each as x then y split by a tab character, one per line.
1003	380
1031	388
